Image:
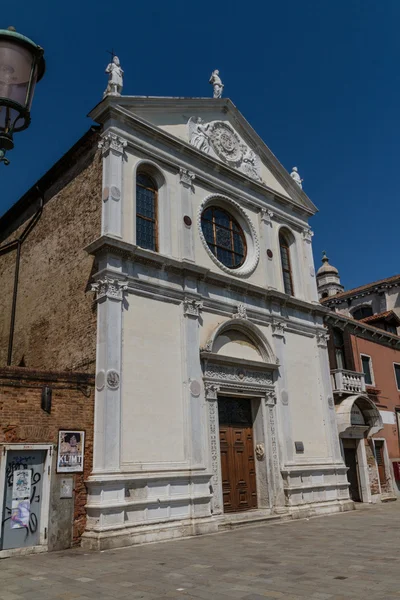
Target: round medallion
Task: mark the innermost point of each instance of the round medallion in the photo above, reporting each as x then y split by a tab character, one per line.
195	388
226	143
115	192
112	379
331	403
270	253
100	380
187	220
285	397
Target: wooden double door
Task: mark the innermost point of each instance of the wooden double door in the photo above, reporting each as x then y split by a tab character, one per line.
237	454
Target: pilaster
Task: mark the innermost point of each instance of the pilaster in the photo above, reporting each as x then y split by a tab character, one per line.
328	403
186	179
283	407
193	389
107	426
211	393
112	147
309	269
266	216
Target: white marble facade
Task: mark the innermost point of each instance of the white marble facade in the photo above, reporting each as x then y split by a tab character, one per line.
177	330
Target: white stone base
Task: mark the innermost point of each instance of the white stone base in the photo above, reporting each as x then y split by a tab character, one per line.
144	534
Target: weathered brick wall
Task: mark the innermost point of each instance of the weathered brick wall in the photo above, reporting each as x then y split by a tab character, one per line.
23	421
55	317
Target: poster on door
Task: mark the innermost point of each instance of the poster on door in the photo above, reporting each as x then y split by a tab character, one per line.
20	502
71	445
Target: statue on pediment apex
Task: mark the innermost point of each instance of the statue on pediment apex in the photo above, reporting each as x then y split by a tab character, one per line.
217	84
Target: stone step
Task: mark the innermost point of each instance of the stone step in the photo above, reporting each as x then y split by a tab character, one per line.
247	521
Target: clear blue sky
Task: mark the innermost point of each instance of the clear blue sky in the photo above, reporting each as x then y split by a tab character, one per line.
318	80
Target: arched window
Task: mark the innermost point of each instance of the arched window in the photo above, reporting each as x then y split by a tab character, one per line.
286	264
146	212
362	312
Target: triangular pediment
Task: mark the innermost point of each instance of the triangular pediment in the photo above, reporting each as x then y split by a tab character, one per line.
216	128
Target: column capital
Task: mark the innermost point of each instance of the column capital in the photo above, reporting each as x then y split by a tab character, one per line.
211	390
322	339
186	177
266	215
109	287
307	234
112	141
241	312
192	307
278	328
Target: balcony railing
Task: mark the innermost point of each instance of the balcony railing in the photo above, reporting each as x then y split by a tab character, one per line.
347	382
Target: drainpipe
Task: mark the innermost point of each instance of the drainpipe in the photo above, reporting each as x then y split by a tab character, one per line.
17	244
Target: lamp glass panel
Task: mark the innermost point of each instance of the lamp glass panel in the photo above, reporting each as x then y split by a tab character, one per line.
15	71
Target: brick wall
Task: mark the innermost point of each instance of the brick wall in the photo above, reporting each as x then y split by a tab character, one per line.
23	421
55	316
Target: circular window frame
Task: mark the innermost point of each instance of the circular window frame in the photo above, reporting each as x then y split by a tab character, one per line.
248	229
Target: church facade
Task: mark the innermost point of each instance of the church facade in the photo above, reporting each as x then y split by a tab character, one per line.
213	400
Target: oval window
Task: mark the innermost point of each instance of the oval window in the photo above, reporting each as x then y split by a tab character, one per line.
224	236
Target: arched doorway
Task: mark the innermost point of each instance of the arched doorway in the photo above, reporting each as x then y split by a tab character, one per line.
238	370
358	419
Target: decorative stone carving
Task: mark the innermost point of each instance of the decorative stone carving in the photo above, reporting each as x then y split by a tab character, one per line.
278	328
213	427
266	215
192	307
195	388
186	177
296	177
241	312
220	140
111	141
307	234
331	403
217	84
274	444
100	380
260	451
284	397
238	374
207	346
115	79
270	398
211	390
112	379
109	288
322	338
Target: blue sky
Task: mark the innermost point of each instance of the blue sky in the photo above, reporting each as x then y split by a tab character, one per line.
318	80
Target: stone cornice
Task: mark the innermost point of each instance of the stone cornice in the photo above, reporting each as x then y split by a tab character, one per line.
363	330
112	109
109	245
228	360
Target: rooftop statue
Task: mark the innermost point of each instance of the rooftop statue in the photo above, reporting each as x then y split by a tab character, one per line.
217	84
296	177
115	80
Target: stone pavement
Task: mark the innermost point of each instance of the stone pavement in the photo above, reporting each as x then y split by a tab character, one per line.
349	555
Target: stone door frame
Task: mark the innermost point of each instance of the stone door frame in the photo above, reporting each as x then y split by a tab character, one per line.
256	384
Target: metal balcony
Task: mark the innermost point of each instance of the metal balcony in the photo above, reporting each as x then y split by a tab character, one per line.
347	382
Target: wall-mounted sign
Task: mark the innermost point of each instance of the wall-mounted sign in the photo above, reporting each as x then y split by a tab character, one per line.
71	446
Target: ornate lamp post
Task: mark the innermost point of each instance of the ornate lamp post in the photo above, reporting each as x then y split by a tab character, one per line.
21	67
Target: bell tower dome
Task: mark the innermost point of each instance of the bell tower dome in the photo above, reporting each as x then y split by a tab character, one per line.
328	280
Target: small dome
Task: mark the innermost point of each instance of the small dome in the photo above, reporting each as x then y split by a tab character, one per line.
326	267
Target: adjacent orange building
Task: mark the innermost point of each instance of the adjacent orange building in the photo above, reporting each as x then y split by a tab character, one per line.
364	356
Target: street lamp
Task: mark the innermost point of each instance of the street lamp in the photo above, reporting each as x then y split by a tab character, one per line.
21	66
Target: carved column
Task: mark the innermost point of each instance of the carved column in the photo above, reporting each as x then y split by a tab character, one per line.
107	422
112	147
328	404
211	390
186	179
309	270
271	262
283	401
277	491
